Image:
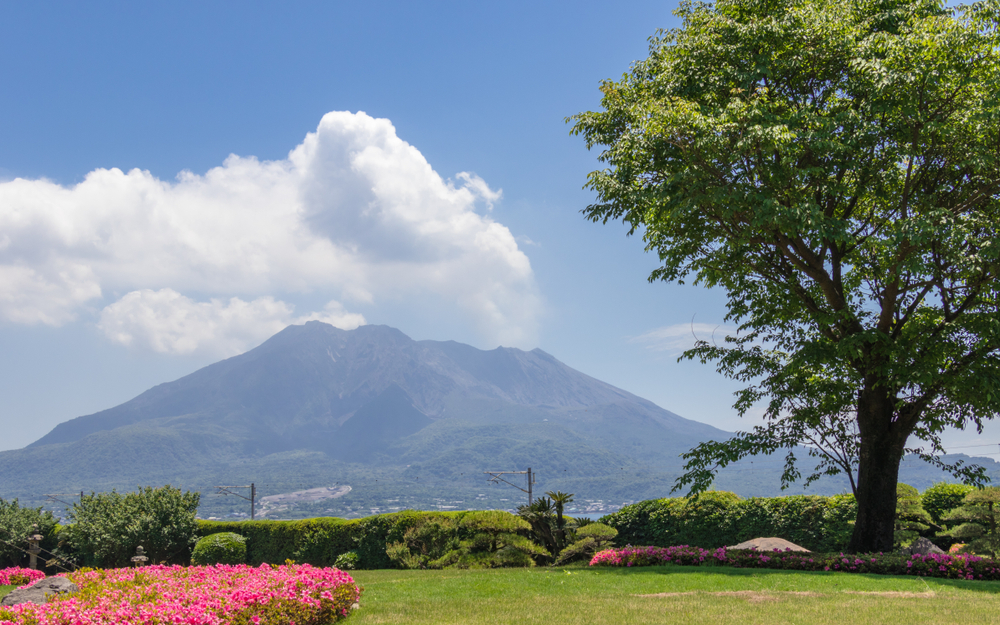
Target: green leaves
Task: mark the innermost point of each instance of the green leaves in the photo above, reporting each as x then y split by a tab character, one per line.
107	527
16	524
835	168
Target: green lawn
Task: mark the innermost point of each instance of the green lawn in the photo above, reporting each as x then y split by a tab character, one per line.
668	594
5	589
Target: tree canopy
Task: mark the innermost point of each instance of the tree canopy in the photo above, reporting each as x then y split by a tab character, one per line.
834	166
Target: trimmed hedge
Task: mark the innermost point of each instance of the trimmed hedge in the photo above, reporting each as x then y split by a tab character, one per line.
221	548
718	518
322	540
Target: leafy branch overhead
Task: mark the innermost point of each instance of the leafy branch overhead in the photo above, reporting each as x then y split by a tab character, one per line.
834	167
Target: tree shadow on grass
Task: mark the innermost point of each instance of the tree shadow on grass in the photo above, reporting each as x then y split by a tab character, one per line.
989	587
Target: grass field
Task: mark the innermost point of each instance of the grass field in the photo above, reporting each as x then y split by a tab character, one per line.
668	594
5	589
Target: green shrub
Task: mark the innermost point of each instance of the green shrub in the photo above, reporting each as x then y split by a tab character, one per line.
718	519
979	515
107	527
16	524
591	538
321	541
347	561
476	539
911	518
222	548
942	498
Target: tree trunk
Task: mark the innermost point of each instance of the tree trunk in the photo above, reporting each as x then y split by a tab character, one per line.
883	438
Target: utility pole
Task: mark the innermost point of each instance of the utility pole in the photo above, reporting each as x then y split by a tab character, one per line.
225	490
496	477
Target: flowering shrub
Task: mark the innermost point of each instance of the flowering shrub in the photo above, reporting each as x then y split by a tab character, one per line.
16	576
952	566
197	595
647	556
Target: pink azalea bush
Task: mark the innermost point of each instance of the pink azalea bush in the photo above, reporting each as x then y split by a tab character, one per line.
16	576
197	595
951	566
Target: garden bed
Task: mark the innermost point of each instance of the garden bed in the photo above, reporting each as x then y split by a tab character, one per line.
198	595
949	566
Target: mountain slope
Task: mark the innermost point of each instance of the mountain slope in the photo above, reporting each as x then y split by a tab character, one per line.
350	405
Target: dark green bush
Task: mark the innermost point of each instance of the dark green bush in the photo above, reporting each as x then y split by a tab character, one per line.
478	539
942	498
590	539
716	519
16	524
321	541
979	518
912	521
107	527
347	561
221	548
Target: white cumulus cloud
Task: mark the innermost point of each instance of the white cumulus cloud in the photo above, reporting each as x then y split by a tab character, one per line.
168	322
354	213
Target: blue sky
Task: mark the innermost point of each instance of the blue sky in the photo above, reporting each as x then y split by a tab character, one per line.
181	180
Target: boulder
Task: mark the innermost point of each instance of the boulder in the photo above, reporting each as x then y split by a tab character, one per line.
921	546
769	544
37	592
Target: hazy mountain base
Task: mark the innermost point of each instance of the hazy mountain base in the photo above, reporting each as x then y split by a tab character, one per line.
433	486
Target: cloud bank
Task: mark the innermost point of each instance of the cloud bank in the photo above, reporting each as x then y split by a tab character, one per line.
206	262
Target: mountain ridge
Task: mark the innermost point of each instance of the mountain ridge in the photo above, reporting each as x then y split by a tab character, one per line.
396	419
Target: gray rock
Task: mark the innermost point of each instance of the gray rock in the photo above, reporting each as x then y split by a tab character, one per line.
921	546
37	592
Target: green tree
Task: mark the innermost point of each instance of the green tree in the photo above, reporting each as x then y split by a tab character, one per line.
979	516
942	498
540	518
832	167
911	518
559	500
106	528
16	524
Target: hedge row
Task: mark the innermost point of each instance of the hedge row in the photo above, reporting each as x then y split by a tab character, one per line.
717	519
321	541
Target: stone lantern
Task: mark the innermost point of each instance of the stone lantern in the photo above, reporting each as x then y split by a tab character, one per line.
140	556
33	547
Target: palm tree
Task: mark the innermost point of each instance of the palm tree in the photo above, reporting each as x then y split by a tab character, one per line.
538	514
560	499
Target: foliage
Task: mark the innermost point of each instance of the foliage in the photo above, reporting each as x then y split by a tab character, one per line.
237	595
322	541
16	524
833	166
107	527
480	539
424	544
559	501
347	561
716	519
590	539
962	566
942	498
980	517
540	516
221	548
911	518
